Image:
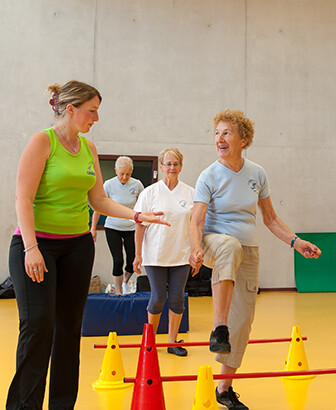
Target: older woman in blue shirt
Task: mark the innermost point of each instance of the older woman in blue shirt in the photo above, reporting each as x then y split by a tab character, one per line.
223	235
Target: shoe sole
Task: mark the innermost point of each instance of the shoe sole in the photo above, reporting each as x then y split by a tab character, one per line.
224	349
180	355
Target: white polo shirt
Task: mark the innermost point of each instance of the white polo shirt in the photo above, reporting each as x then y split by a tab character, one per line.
163	245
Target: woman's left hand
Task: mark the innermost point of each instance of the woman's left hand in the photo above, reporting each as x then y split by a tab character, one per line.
307	249
137	263
152	217
94	234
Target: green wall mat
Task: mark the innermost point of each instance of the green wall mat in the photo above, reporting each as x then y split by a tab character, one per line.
317	275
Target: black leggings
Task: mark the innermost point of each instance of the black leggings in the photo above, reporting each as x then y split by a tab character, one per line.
116	240
50	315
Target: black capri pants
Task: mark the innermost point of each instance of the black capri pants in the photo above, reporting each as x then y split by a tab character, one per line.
50	316
116	240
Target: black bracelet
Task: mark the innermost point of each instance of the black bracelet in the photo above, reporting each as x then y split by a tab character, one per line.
293	240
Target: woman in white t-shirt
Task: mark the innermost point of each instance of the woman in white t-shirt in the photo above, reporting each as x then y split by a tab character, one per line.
165	252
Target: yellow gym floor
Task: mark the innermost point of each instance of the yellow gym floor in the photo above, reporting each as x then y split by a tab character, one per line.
276	314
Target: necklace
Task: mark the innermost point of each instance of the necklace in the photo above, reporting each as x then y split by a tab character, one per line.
72	147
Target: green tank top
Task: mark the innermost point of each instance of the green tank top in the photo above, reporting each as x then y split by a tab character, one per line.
60	205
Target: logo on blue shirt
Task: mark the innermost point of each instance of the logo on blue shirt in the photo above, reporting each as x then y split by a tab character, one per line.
132	191
253	184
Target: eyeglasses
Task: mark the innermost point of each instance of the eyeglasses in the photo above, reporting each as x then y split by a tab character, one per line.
172	164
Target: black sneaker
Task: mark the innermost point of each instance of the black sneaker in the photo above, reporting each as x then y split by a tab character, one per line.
230	400
219	340
178	350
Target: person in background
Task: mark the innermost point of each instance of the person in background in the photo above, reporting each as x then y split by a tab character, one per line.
52	250
164	252
223	235
124	190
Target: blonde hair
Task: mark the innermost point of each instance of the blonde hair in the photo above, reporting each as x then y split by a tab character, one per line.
72	92
236	117
173	151
124	162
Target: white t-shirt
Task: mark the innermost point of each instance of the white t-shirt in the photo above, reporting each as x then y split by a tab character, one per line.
232	199
163	245
124	194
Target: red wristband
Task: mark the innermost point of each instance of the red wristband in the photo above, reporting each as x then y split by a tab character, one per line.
136	217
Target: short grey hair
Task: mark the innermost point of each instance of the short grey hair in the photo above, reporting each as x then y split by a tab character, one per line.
175	152
124	162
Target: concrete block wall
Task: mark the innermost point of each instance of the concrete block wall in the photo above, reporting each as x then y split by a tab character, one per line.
164	68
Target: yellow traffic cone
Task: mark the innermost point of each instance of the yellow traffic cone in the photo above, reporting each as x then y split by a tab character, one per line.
296	357
112	372
296	392
205	397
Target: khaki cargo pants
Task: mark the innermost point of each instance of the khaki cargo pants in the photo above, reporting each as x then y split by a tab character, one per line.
229	260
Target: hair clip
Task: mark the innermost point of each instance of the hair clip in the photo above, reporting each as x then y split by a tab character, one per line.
54	102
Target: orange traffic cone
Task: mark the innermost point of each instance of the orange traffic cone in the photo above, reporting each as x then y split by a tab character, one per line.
112	372
296	357
205	397
148	392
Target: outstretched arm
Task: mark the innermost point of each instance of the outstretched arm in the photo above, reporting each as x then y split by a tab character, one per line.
281	231
101	203
195	235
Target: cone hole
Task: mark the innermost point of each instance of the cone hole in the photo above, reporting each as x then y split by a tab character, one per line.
149	382
149	349
207	403
299	364
286	362
113	346
114	373
298	339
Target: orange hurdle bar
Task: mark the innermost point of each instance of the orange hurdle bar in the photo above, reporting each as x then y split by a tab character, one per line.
252	341
242	375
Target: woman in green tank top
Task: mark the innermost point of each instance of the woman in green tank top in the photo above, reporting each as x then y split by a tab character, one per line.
52	250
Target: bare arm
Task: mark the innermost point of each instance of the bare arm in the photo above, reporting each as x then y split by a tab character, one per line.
138	239
30	170
281	231
195	235
94	221
101	203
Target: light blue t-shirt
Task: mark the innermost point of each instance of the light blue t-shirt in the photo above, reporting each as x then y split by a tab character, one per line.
124	194
232	199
